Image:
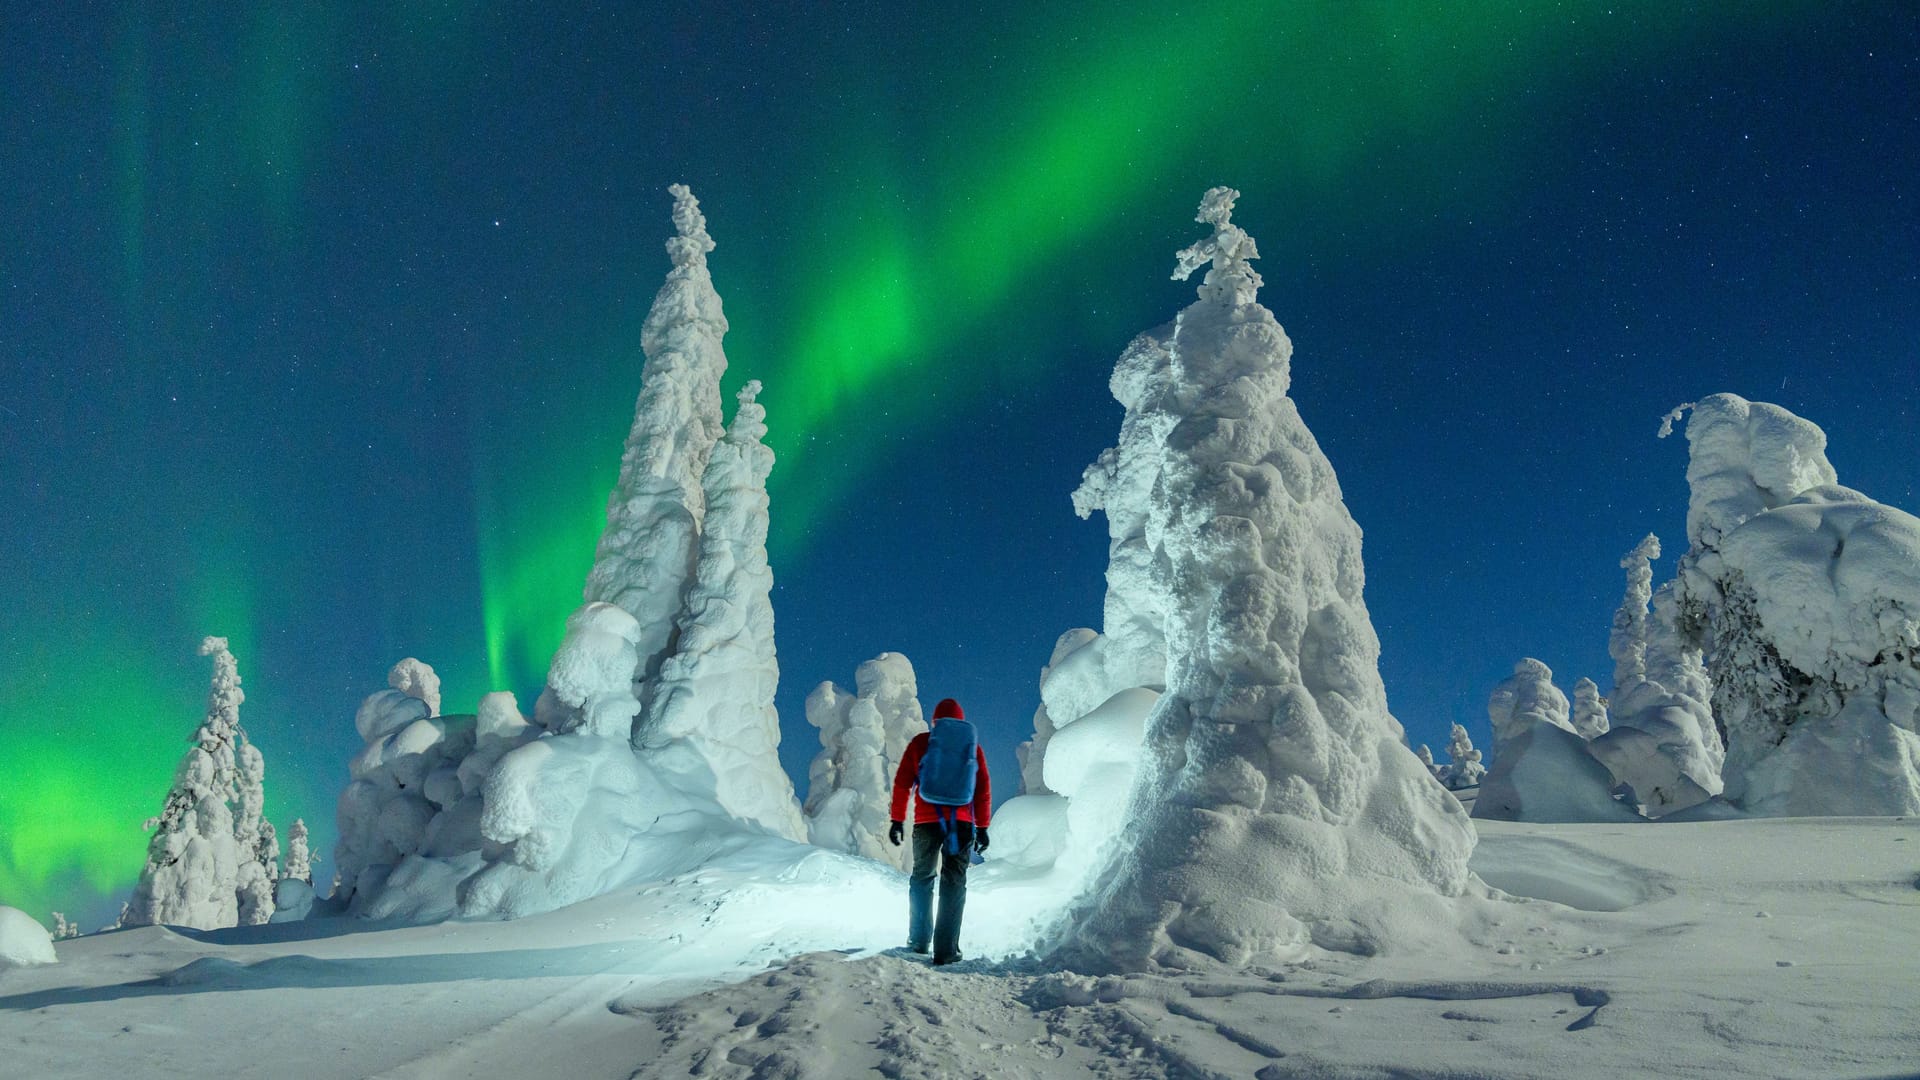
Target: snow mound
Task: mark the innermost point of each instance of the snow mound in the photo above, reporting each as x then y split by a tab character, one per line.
1277	806
1543	868
417	680
23	941
1542	769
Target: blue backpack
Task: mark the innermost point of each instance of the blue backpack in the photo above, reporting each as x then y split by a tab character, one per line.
948	768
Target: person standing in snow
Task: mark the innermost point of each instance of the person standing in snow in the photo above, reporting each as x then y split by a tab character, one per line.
945	770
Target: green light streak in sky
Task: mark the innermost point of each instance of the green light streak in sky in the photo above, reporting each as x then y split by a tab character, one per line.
1284	100
1305	88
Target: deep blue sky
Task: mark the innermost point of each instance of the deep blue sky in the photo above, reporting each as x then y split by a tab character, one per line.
320	329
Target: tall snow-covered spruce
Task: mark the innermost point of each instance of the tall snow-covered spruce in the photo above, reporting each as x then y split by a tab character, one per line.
648	552
1277	806
192	874
715	706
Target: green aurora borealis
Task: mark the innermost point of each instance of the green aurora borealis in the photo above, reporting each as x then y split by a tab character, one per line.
331	335
1082	138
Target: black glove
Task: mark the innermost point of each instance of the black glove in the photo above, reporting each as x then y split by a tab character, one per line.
980	838
897	832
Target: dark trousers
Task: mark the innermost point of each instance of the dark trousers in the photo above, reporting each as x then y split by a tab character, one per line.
927	849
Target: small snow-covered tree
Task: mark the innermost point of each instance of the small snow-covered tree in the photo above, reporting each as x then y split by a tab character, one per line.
1425	754
62	929
417	680
1628	642
1661	746
863	737
1464	769
299	855
192	874
1542	769
1589	716
1272	737
714	709
647	555
254	835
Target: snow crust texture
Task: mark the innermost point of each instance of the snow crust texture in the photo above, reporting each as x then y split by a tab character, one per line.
1805	598
863	737
1276	804
650	548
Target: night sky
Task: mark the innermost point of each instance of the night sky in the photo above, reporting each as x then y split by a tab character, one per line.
319	329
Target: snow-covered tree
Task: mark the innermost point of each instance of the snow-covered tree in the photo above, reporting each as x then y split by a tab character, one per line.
1542	769
1589	710
1276	787
647	555
863	736
62	929
1463	769
299	854
1033	752
1661	744
1120	483
254	835
1628	642
417	680
1804	597
192	874
383	813
714	711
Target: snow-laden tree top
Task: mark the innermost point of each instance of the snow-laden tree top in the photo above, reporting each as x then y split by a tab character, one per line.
690	247
646	555
1232	279
1745	457
1628	642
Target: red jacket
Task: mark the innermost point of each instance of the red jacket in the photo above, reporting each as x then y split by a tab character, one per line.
907	781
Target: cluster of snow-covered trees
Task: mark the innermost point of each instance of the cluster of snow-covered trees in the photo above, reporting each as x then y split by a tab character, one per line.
658	706
1775	673
1214	775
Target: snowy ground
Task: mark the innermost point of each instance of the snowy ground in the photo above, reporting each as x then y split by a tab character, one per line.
1785	948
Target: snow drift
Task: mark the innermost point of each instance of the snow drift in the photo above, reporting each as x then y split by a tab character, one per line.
23	941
